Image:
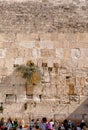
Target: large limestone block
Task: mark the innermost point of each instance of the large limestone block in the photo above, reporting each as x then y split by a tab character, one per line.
53	79
9	64
2	62
80	81
83	63
81	72
16	109
3	53
67	53
24	37
18	60
29	90
85	87
1	45
74	99
58	44
84	52
2	38
71	80
16	78
10	98
36	53
27	53
79	90
2	97
21	98
47	77
63	40
47	91
47	52
64	99
86	63
27	44
12	52
82	37
44	36
54	36
59	53
61	109
4	71
75	53
21	52
6	44
59	116
19	89
73	107
50	62
7	37
46	44
66	64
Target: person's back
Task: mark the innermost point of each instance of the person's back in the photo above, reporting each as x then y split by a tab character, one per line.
43	124
52	123
83	124
70	125
15	124
2	123
37	123
49	126
9	124
32	124
66	124
78	128
61	127
20	128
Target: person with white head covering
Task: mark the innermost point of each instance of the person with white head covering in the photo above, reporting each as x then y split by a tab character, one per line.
82	124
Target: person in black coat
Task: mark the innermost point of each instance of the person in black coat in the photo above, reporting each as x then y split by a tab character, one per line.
82	124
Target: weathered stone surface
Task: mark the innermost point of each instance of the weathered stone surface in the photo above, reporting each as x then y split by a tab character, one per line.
34	16
54	35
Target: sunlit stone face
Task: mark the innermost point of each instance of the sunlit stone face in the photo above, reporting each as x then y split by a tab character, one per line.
54	35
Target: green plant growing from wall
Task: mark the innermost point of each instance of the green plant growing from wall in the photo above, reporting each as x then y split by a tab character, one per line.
30	72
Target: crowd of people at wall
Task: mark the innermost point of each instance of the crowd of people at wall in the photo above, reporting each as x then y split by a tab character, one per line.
43	124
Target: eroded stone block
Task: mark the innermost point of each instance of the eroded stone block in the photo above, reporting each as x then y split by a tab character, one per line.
3	53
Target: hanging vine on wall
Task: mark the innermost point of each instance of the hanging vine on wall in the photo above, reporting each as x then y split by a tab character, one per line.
30	72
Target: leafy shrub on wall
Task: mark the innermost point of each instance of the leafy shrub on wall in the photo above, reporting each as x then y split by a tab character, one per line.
30	72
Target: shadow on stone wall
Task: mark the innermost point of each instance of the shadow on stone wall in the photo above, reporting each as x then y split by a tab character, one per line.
13	97
81	112
12	94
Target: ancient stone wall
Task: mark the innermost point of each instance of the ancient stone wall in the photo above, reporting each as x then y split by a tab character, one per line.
54	35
